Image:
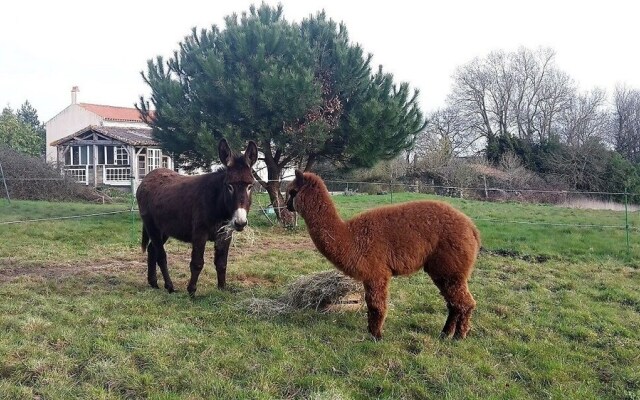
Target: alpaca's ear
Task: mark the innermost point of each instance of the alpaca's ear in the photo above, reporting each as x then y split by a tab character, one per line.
299	177
251	153
224	152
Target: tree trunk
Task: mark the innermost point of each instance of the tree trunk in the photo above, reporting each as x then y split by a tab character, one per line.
272	186
277	200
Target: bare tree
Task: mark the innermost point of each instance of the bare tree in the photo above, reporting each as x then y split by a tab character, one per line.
447	135
517	94
625	129
584	119
542	91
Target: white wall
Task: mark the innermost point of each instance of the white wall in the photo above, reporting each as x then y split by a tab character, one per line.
68	121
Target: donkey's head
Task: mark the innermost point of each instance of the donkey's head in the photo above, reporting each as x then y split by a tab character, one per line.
238	181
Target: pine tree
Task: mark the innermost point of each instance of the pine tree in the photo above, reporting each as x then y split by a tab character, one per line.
17	135
29	116
303	92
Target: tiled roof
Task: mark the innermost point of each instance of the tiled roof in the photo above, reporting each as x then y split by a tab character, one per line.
112	113
131	136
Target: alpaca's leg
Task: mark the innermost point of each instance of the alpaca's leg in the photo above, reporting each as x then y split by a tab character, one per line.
376	293
460	304
466	304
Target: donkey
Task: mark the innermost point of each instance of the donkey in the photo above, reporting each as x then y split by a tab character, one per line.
196	209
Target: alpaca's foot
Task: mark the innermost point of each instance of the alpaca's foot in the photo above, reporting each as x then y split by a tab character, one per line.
463	326
377	334
451	325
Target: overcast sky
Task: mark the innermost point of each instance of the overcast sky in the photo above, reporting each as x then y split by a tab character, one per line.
46	47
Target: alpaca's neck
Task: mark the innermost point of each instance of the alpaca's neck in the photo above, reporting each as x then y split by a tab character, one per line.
327	230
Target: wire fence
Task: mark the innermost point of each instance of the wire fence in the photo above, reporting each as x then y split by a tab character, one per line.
359	196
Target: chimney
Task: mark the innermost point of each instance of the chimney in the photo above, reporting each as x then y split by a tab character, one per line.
74	94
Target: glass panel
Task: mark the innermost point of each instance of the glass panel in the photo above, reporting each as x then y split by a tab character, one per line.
141	166
83	154
110	154
75	155
101	155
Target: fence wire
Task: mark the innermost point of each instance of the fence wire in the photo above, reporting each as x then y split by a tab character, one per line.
264	209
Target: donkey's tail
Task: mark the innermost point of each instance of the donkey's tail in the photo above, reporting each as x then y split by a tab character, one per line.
145	239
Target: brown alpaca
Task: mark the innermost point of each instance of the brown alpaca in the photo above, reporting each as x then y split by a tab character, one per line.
395	240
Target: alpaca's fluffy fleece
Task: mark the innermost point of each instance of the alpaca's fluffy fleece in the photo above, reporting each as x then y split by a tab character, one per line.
394	240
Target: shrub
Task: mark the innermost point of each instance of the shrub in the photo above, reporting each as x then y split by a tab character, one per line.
30	178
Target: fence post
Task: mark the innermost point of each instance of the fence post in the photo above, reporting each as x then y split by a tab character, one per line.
626	220
5	183
133	201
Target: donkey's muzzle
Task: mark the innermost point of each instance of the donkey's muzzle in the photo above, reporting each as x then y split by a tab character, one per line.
239	219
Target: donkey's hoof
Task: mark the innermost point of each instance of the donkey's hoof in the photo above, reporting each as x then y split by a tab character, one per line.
154	285
169	288
444	335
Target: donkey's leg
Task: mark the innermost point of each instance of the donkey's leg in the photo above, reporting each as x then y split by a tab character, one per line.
162	263
197	261
223	240
153	251
376	293
152	259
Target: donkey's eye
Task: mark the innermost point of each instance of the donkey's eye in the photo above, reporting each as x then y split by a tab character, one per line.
230	188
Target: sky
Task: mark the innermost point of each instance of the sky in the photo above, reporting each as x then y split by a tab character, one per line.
47	47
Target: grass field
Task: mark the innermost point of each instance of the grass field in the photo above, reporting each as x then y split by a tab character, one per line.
558	313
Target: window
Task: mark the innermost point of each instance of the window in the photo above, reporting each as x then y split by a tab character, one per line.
79	155
122	156
142	170
165	161
153	159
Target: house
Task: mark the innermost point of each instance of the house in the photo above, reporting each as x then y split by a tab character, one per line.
103	145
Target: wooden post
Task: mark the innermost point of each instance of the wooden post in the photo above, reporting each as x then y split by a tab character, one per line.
5	183
486	192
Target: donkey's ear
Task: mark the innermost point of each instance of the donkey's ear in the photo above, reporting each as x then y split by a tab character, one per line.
299	177
251	153
224	152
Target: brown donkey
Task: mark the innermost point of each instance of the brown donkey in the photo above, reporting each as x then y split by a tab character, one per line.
196	209
394	240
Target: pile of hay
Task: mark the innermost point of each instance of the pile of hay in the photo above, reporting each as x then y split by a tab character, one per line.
325	291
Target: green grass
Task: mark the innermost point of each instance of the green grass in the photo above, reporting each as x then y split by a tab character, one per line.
79	321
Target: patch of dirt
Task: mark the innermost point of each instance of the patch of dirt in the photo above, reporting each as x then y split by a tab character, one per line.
249	281
532	258
12	268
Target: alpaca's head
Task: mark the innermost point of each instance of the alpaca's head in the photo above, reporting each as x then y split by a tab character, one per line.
299	187
293	189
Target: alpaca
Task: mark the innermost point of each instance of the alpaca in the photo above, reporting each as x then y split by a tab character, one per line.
394	240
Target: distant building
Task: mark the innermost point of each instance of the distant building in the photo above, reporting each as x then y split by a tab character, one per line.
103	145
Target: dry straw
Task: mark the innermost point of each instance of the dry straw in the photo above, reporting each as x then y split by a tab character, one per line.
327	291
